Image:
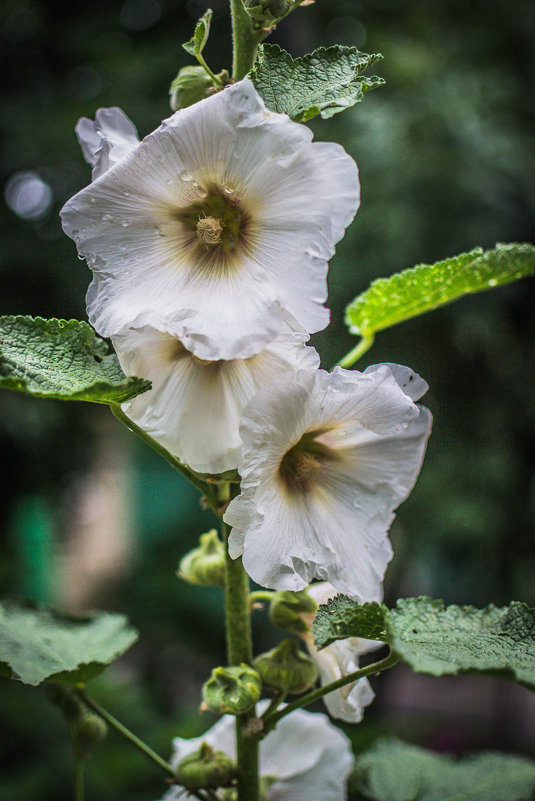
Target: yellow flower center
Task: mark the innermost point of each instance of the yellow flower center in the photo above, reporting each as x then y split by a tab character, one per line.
301	466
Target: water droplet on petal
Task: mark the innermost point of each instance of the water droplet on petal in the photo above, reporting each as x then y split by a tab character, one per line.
125	224
185	176
107	218
81	257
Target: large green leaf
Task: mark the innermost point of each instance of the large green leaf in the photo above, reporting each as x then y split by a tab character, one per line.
440	640
62	359
197	42
342	617
323	82
395	771
426	287
38	645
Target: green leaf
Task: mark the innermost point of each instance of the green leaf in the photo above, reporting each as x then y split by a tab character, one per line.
440	640
324	82
426	287
62	359
38	645
395	771
342	617
197	42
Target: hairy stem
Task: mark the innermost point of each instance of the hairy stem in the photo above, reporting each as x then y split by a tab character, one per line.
240	649
359	350
126	733
205	488
245	40
376	667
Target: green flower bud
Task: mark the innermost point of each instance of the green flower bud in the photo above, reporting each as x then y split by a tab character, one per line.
205	769
266	13
287	668
190	85
205	565
232	690
88	731
287	610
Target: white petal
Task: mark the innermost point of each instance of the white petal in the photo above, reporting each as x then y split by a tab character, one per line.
337	530
326	780
409	381
194	409
107	140
299	195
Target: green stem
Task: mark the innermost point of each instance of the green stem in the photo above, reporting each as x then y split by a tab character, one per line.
126	733
275	702
205	488
376	667
240	649
245	40
261	595
218	82
79	791
350	358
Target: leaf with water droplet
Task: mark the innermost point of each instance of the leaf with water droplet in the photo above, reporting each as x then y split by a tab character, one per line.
62	359
428	286
197	42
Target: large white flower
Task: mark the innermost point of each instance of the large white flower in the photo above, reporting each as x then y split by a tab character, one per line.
216	222
307	757
327	457
340	659
194	406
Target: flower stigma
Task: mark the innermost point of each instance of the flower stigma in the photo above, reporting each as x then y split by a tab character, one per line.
301	465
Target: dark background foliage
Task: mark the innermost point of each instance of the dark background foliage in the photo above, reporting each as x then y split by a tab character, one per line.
447	159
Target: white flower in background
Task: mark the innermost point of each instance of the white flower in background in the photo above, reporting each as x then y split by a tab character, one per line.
327	457
107	140
306	757
194	407
214	224
340	659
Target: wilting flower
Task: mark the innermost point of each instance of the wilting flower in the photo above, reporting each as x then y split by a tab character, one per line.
327	457
214	224
340	659
194	406
107	140
304	758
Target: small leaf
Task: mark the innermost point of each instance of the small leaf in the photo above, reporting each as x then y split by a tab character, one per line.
342	617
395	771
426	287
440	640
62	359
324	82
38	645
196	44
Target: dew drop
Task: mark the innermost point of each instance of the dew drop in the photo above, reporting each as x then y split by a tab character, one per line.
81	257
493	282
126	192
185	176
92	200
107	218
125	224
228	190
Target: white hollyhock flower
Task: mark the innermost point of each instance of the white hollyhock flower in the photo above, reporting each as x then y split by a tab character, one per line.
340	659
220	219
327	457
107	139
194	407
305	758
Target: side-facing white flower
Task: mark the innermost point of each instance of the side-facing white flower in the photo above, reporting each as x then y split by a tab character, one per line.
107	139
327	457
194	407
214	224
306	757
340	659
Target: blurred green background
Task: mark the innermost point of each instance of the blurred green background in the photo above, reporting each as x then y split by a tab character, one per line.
89	518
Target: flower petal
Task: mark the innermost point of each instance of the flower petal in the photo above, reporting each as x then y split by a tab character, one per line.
107	140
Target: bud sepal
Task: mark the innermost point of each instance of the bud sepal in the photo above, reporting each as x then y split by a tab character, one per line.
205	769
286	668
205	565
232	690
288	609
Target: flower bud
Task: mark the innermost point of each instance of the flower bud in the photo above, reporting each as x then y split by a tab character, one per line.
287	668
265	13
64	697
88	731
287	610
205	769
190	85
232	690
205	565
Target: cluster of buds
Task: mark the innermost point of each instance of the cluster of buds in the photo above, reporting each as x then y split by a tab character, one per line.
87	728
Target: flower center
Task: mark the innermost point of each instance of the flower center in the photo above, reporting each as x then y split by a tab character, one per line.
216	228
300	466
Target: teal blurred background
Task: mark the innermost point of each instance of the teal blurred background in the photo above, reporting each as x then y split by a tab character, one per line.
89	518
